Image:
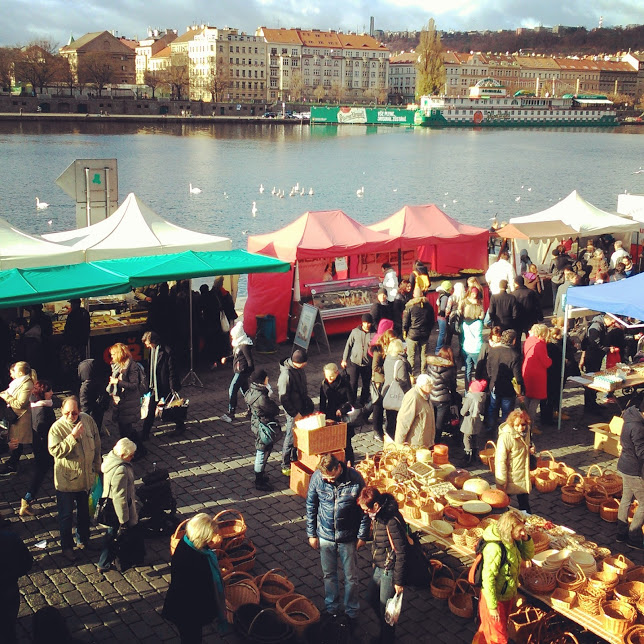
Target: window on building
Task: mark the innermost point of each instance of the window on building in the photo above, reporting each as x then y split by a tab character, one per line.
273	51
293	52
284	51
237	50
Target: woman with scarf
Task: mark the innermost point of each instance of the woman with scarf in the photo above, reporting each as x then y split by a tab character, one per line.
196	593
243	366
378	351
42	418
532	280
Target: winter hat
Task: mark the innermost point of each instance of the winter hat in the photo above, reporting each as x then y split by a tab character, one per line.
445	286
300	356
366	317
238	335
477	386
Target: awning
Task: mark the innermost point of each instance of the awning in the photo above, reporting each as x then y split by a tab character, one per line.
594	101
536	230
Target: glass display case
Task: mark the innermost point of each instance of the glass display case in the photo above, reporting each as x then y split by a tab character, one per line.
344	298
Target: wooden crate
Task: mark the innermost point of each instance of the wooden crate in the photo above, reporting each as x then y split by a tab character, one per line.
300	479
605	441
329	438
311	460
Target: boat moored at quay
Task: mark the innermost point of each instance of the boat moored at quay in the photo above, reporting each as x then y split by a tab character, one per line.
489	105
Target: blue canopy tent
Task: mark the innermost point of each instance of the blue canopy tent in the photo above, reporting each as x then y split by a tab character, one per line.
616	298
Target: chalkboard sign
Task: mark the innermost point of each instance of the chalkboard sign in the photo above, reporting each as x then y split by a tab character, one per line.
309	319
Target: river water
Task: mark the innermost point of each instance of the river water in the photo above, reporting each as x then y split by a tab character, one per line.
472	175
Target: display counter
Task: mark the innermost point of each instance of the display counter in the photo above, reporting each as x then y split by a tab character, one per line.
344	298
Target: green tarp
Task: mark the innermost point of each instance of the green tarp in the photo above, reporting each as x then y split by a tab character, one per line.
20	287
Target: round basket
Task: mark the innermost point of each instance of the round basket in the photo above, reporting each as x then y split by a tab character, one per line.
241	553
608	510
399	493
461	601
562	472
411	509
570	577
487	454
472	537
634	634
431	511
273	584
605	580
573	493
225	564
541	541
443	582
620	565
459	535
544	459
617	616
629	591
595	496
297	611
538	581
590	480
261	625
239	588
612	482
589	599
545	480
232	526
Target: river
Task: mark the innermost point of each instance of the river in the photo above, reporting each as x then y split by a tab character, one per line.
471	174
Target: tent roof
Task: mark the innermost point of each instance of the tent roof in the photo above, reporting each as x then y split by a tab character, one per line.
426	224
536	230
134	229
21	250
46	284
323	233
614	297
585	218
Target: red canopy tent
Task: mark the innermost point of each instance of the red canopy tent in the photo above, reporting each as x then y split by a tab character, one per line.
322	235
438	239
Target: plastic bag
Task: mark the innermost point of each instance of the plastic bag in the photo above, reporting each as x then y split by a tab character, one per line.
95	494
145	405
393	608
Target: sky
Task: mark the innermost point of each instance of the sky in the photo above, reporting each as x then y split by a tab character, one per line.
24	21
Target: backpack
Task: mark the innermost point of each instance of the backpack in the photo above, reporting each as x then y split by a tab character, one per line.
416	570
475	573
143	379
422	281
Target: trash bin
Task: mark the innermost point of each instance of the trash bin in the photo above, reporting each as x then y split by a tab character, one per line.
265	337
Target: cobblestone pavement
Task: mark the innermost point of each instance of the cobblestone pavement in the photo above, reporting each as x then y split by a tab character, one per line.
211	468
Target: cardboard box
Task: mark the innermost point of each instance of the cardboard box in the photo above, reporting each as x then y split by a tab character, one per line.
615	425
300	479
311	460
605	441
331	437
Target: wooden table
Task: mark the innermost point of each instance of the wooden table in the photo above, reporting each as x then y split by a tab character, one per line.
633	382
589	622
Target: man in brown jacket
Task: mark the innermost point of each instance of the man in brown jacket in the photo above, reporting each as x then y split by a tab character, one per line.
75	444
415	423
17	397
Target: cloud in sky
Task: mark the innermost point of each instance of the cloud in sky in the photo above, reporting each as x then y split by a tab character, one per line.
27	20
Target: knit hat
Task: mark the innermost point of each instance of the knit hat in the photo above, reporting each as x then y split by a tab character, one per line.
477	386
300	356
445	286
366	317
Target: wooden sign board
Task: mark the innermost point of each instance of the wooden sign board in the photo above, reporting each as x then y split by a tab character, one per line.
310	319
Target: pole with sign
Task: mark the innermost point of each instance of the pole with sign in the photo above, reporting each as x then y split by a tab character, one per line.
310	319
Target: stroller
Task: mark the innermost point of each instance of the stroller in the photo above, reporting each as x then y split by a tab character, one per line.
159	507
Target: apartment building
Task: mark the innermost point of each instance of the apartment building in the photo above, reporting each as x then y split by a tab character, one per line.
149	47
402	78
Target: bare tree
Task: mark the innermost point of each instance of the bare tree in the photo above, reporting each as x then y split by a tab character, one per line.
66	75
95	69
8	56
177	77
430	66
319	93
296	85
37	64
153	80
218	81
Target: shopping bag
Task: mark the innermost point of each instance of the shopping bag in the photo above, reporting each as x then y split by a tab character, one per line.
105	514
393	608
95	494
394	394
145	405
130	548
175	410
223	320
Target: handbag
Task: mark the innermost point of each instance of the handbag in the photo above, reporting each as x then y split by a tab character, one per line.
105	514
375	393
416	569
145	405
267	432
129	548
223	321
175	409
394	394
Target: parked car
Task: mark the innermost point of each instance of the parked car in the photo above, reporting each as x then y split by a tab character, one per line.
269	115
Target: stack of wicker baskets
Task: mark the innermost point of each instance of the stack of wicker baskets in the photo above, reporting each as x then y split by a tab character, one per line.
572	493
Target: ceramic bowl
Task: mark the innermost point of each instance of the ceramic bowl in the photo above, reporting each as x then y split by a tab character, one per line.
441	528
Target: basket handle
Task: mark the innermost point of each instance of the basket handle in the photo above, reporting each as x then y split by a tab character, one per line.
297	598
244	576
180	528
444	568
548	453
601	488
464	586
234	543
590	469
490	443
218	516
573	476
250	627
273	571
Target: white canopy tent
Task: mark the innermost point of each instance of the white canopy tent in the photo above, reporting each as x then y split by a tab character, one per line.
577	213
134	229
21	250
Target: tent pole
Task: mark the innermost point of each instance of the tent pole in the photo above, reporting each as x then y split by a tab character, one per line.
399	264
563	363
191	379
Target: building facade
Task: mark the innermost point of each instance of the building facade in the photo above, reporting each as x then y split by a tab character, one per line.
402	78
146	49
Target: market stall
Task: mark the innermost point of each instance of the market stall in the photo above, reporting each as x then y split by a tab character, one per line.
335	265
450	249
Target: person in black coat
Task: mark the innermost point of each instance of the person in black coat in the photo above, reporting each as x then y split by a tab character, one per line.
163	380
196	593
417	324
504	309
336	399
403	296
441	370
593	349
264	411
382	309
503	367
529	306
15	561
94	400
161	315
388	552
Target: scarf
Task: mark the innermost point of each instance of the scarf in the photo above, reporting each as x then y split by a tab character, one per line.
16	383
222	624
42	403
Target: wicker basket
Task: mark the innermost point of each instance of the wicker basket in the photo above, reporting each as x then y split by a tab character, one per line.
570	577
241	553
595	496
432	510
273	584
459	536
562	472
472	537
629	591
545	480
620	565
239	588
612	482
605	580
541	541
608	510
617	616
461	601
443	582
573	493
225	564
230	527
297	611
411	508
634	635
589	599
487	455
561	598
589	479
542	461
538	581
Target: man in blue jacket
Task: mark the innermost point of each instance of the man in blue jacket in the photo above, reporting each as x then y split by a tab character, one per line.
338	528
631	466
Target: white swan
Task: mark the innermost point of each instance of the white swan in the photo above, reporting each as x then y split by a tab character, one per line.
194	191
302	192
41	205
311	193
273	191
261	188
254	209
360	192
518	198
